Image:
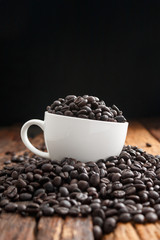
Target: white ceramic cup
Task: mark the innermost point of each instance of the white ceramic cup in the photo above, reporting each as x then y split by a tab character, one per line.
82	139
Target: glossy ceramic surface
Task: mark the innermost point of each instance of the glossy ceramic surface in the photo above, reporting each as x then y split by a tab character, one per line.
85	140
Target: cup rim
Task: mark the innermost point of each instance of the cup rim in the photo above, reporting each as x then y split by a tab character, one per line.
83	119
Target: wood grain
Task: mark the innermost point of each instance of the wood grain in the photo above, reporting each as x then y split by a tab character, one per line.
50	228
153	126
15	227
77	229
139	136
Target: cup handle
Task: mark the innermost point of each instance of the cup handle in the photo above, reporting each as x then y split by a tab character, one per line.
26	141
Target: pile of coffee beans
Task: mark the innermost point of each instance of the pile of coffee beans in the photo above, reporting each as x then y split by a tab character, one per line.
119	189
88	107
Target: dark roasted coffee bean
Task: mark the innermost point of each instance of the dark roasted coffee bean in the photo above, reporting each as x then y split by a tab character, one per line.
48	187
67	168
11	191
119	193
21	208
57	181
98	221
138	218
83	185
4	202
39	191
65	203
151	217
14	175
114	170
64	191
11	207
153	194
97	231
62	210
74	211
47	167
95	179
83	176
117	186
48	211
21	183
81	196
111	212
125	217
85	209
25	196
116	177
130	190
109	225
127	173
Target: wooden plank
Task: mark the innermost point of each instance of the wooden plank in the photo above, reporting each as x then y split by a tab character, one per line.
77	229
109	236
153	126
139	136
13	226
148	231
50	228
125	232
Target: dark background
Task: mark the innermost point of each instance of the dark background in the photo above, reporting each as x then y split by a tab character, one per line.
49	49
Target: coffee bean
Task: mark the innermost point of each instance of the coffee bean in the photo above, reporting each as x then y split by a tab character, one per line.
4	202
25	196
87	107
83	176
57	181
21	183
74	211
11	207
47	167
116	177
127	173
153	194
97	231
21	208
130	190
48	187
67	168
109	225
64	191
138	218
119	193
111	212
62	210
11	191
85	209
95	179
83	185
151	217
125	217
47	211
65	203
14	175
98	221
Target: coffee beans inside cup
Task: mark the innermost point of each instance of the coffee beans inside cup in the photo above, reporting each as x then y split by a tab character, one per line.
122	188
87	107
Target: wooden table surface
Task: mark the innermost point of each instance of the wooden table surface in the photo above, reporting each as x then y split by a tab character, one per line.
16	227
